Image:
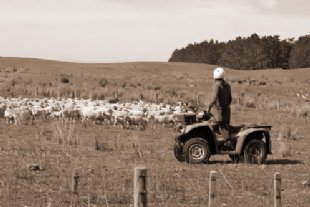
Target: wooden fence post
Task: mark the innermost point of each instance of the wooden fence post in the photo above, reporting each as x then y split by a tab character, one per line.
156	98
212	188
75	182
89	197
277	190
74	188
198	100
140	192
36	92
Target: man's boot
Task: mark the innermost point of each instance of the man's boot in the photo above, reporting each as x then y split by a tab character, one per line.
229	143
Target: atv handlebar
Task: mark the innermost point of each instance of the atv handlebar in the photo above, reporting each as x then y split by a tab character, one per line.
204	115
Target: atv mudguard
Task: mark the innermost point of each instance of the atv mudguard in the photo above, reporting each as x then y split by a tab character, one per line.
201	129
189	128
246	135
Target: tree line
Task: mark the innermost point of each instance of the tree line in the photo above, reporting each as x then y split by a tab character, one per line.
249	53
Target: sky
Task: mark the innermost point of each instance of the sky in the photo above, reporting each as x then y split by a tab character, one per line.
138	30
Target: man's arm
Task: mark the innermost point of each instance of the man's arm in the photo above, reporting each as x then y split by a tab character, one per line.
214	97
230	98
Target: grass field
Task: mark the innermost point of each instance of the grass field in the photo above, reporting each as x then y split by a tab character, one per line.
106	175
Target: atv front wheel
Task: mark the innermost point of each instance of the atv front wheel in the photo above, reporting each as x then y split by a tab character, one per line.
178	153
255	152
196	151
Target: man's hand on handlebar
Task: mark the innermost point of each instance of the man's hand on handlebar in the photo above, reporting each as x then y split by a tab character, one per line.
208	110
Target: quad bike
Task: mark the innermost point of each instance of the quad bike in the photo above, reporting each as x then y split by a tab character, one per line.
200	138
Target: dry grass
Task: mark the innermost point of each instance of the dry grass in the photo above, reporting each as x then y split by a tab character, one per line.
105	157
108	172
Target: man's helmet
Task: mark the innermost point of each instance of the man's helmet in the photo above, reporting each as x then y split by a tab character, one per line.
218	73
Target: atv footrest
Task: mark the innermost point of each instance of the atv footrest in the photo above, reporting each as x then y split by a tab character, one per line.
228	152
220	139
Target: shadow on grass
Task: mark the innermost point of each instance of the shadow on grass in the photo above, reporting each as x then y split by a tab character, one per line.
283	162
268	162
222	162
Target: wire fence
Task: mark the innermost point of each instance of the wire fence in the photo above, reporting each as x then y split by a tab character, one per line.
170	187
175	186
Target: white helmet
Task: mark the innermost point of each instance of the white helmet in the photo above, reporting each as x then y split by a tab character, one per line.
218	73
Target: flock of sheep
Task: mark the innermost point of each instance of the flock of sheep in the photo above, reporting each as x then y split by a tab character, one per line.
137	114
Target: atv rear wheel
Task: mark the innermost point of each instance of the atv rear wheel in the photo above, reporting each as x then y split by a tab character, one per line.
196	151
255	152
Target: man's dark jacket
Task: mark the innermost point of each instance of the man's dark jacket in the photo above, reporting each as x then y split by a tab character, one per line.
221	100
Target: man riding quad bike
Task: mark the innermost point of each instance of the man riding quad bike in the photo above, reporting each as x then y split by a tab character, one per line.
205	136
200	138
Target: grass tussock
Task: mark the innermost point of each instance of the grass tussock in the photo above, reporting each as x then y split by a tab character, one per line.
66	134
287	134
64	79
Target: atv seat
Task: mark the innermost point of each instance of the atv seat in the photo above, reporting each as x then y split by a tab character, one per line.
235	129
232	129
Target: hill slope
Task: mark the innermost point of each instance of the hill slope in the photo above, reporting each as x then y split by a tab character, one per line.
37	77
105	156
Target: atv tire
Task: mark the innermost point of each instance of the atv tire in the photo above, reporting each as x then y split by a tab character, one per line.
196	151
178	153
255	152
